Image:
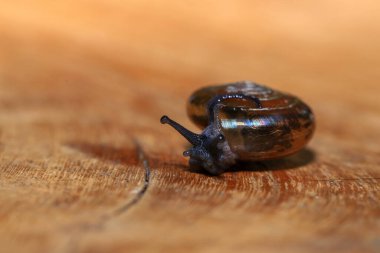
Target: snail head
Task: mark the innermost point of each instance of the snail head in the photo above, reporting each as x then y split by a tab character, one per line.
210	149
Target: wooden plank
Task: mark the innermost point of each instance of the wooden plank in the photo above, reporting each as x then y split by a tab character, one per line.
86	166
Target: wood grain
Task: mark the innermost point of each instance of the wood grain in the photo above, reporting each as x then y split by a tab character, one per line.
85	165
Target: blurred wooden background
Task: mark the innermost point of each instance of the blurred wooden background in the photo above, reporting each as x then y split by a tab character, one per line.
84	83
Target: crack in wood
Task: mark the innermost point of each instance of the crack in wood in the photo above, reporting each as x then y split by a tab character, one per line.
145	163
81	229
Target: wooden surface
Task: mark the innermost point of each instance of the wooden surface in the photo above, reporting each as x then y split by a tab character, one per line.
86	166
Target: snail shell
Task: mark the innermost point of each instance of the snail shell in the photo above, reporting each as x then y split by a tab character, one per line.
245	121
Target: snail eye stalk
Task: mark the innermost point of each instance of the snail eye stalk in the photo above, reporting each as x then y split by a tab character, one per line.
193	138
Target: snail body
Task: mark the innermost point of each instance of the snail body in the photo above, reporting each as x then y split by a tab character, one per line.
244	121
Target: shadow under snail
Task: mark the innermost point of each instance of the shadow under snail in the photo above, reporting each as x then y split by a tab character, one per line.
243	121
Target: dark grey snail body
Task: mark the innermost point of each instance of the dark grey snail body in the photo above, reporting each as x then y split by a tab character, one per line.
244	121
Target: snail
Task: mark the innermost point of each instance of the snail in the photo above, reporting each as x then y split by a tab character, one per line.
243	121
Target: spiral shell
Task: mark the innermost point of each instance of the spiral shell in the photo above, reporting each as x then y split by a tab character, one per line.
281	126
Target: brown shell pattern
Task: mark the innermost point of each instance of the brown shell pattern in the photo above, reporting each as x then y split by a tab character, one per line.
281	127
